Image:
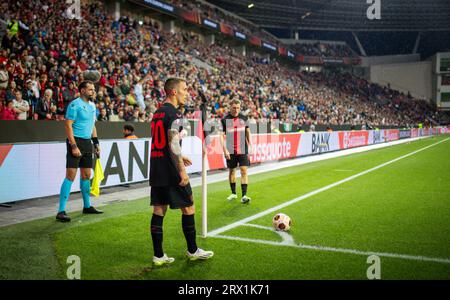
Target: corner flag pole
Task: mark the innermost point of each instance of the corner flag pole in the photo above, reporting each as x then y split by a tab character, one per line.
204	194
204	167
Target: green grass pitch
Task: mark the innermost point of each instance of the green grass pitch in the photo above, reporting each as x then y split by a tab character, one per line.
402	209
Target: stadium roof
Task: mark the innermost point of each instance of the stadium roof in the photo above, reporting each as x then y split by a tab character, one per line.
343	15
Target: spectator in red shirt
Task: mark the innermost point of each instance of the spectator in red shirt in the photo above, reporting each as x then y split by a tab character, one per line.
4	57
8	112
43	83
82	64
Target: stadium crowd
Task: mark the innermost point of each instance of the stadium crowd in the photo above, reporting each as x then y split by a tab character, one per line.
211	12
324	50
45	55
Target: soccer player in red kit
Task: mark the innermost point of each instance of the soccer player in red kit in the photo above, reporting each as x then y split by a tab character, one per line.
169	180
236	142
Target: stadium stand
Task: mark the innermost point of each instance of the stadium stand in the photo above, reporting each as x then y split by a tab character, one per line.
48	52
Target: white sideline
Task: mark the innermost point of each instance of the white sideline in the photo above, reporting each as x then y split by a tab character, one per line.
277	165
315	192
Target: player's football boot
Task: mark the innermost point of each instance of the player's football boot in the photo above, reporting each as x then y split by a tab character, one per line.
159	261
232	197
200	254
91	210
245	199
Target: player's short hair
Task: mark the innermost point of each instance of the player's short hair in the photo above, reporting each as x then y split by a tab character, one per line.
128	127
84	84
235	101
172	84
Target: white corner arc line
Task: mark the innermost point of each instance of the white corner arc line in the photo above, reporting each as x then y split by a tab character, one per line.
338	250
285	236
315	192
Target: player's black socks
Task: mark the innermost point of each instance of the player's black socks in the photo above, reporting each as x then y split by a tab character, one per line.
244	189
156	229
233	187
188	223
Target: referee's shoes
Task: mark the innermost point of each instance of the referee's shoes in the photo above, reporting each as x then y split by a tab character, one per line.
63	217
91	210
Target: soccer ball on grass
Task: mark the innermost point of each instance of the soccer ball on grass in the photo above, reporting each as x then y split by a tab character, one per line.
281	222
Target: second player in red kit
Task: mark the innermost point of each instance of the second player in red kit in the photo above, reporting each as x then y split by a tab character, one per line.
236	142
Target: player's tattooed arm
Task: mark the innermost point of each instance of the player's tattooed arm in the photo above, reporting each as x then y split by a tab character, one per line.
175	149
177	158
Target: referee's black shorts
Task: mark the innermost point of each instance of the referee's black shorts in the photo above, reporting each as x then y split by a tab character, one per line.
238	159
174	196
86	159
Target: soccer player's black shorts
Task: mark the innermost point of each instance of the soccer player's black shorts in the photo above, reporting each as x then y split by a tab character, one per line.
86	149
235	159
174	196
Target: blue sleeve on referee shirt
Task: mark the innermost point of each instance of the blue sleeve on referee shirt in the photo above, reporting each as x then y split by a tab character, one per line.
71	113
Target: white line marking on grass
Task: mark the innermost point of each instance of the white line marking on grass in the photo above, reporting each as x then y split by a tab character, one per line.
315	192
286	237
338	250
258	226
